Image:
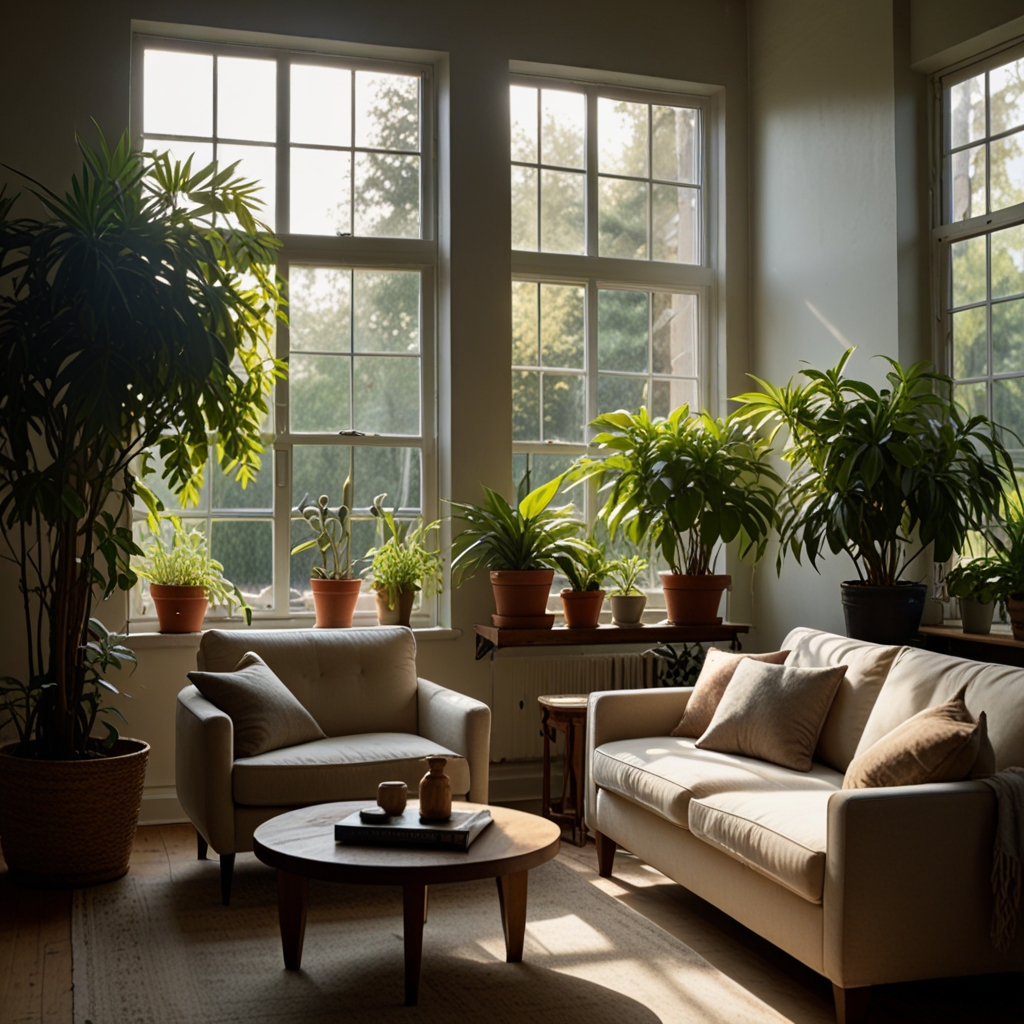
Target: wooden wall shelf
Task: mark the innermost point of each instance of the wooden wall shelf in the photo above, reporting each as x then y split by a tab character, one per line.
997	646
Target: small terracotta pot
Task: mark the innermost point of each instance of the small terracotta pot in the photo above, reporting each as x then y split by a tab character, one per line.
522	593
693	600
582	608
436	791
179	609
400	614
1015	608
628	609
335	602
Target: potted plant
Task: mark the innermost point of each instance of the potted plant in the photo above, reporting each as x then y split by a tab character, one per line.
184	579
628	601
871	469
586	569
1006	542
401	566
684	483
125	324
975	583
517	545
335	590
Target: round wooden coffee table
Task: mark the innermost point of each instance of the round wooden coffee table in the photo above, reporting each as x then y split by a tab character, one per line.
301	845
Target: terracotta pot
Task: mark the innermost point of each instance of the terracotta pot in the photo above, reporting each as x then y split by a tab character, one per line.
179	609
522	594
976	616
883	615
436	791
335	602
628	609
1015	608
582	608
693	600
401	613
71	823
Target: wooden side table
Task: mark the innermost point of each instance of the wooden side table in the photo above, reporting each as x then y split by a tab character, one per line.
567	714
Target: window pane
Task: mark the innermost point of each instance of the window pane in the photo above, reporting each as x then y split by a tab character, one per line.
178	93
622	324
321	190
525	405
968	258
255	163
1006	96
247	99
524	208
246	550
523	115
200	152
1008	261
322	469
676	224
387	395
562	127
614	393
967	111
158	486
1008	337
622	137
387	311
228	493
674	334
387	195
973	398
970	344
320	308
622	218
1006	175
561	325
564	407
1008	410
387	111
543	468
968	185
675	144
562	211
670	394
524	323
318	391
321	105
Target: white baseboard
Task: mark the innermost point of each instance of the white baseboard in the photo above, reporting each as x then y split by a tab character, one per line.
160	807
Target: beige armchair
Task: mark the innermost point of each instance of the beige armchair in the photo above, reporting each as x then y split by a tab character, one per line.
361	686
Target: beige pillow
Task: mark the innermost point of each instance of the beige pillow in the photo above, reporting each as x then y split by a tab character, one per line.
940	744
714	677
266	715
773	712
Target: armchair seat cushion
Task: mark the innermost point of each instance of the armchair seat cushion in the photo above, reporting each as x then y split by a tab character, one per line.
339	768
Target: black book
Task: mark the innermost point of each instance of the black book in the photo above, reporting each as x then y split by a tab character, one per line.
407	830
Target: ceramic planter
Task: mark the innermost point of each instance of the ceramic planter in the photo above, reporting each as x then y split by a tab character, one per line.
628	609
400	614
693	600
883	615
335	602
1015	608
582	608
521	598
179	609
976	616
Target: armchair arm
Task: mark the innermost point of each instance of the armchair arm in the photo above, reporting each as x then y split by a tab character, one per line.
462	724
203	759
628	714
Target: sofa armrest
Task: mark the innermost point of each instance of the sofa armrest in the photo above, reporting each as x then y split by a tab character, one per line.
628	714
203	760
908	891
462	724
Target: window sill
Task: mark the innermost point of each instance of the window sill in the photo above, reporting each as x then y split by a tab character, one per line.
145	641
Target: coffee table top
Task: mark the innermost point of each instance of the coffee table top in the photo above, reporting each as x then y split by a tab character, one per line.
302	842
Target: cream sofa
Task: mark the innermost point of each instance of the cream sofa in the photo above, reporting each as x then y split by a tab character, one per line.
864	886
361	686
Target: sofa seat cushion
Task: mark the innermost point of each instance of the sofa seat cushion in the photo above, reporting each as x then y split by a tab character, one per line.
340	768
779	834
663	774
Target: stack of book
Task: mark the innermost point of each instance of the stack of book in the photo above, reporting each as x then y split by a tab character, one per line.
407	830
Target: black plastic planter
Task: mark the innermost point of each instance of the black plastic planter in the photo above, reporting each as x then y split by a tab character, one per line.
883	615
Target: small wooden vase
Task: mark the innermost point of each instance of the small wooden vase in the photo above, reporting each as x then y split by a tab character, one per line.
391	796
436	791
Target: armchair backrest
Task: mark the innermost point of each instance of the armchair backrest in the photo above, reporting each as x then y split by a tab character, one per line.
349	680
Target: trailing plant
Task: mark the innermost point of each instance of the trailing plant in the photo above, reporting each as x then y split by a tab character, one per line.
870	469
625	572
402	563
333	530
585	567
127	323
684	483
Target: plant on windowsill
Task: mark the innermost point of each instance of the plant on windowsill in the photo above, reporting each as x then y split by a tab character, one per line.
401	566
1006	543
683	483
975	583
586	569
628	601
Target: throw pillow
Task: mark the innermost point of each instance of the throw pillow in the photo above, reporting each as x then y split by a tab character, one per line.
939	744
265	713
715	673
773	712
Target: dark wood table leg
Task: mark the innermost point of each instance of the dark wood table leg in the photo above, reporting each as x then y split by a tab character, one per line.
414	905
291	912
545	793
512	900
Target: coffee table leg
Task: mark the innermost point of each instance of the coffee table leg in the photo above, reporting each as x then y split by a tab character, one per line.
414	905
291	912
512	900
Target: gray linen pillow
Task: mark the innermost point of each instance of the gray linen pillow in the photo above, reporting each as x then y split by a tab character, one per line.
265	713
773	712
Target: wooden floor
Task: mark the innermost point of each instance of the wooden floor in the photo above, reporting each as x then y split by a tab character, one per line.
35	949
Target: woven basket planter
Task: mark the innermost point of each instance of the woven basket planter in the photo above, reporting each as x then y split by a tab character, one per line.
71	823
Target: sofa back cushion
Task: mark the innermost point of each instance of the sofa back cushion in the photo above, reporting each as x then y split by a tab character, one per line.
349	680
922	679
867	666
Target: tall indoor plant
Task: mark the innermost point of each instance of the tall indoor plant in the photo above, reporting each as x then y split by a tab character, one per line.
126	324
872	469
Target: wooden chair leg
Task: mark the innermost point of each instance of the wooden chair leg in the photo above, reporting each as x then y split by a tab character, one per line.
227	870
851	1004
605	854
201	846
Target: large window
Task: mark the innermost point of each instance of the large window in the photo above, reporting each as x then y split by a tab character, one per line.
341	149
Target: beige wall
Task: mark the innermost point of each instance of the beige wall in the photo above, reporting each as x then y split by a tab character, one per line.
945	31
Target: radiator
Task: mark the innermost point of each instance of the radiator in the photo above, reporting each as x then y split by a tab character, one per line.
517	682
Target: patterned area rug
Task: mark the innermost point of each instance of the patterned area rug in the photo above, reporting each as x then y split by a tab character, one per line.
157	947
